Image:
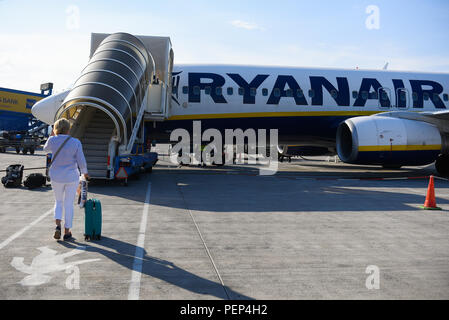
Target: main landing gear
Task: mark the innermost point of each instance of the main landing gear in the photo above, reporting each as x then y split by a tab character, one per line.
442	165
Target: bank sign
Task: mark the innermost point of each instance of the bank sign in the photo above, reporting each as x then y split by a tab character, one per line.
18	101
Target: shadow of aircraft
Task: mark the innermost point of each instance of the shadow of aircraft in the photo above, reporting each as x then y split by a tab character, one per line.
123	253
286	191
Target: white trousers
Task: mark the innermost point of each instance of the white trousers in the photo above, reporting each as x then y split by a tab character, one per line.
65	196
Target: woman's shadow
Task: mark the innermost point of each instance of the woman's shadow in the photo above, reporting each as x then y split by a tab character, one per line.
124	254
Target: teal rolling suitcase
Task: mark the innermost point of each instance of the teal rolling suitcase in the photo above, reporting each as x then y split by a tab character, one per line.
92	220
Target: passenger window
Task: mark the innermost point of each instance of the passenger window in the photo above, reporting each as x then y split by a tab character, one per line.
299	93
277	92
334	94
218	91
196	90
373	95
435	97
364	95
185	90
415	96
402	95
230	91
355	94
252	92
445	97
384	95
265	92
311	93
207	90
426	96
289	93
241	91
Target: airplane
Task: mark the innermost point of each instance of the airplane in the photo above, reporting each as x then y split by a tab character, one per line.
369	117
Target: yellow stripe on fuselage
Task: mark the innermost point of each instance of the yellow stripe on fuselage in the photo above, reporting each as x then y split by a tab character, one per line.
400	148
271	114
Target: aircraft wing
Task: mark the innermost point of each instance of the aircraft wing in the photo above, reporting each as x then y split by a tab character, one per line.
442	115
437	118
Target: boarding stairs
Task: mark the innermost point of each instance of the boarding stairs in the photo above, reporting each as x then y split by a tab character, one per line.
126	82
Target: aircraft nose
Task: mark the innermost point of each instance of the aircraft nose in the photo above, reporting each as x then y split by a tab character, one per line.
45	109
41	110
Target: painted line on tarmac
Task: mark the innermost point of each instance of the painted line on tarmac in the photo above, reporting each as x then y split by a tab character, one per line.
24	229
204	244
136	275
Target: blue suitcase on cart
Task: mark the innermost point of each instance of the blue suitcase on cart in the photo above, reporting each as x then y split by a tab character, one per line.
92	219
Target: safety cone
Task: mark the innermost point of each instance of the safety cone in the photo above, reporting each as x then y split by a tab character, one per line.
430	203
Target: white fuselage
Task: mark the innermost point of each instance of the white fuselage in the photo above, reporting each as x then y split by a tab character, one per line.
304	104
276	91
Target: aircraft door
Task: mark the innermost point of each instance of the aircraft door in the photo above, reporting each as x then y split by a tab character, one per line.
384	96
402	98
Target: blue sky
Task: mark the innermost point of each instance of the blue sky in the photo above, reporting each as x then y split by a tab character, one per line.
49	40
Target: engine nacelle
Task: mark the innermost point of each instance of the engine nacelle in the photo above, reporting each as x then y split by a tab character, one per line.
382	140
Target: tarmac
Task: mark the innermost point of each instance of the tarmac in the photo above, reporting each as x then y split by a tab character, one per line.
317	229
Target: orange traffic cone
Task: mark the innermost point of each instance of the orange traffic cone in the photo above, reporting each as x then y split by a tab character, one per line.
430	203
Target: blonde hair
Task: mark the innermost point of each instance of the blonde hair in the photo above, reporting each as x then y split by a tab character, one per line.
62	126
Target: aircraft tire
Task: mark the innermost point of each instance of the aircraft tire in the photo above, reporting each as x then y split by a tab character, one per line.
442	165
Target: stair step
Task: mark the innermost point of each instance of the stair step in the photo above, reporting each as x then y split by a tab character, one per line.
101	122
91	130
95	141
99	135
107	125
95	153
96	158
97	166
98	173
95	147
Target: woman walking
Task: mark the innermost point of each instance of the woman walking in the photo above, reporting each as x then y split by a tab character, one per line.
67	157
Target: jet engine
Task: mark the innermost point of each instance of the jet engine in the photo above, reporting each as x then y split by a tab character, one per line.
388	141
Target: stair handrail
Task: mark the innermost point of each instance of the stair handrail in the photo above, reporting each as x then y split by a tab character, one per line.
137	123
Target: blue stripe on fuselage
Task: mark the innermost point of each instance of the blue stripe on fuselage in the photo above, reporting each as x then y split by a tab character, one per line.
289	128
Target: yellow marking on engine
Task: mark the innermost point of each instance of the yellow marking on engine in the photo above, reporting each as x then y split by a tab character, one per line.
400	147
